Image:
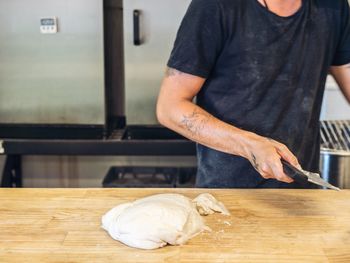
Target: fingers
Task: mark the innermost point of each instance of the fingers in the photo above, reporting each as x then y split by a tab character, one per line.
277	170
286	154
266	155
266	171
273	169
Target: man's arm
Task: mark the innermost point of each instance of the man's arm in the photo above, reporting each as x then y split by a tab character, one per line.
176	111
341	75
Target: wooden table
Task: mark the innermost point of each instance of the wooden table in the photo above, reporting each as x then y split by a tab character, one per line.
63	225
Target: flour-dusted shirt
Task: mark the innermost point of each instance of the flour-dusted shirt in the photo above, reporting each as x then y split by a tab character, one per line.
264	73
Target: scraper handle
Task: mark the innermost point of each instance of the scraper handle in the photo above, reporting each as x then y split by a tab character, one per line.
294	173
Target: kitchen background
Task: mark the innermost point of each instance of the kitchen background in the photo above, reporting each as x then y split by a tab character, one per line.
136	59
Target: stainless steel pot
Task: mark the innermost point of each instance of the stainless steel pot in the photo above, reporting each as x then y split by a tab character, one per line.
335	167
335	152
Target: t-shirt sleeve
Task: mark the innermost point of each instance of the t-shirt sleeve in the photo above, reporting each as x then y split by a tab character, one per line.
342	55
199	39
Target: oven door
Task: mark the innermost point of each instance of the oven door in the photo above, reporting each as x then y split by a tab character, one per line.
52	78
150	28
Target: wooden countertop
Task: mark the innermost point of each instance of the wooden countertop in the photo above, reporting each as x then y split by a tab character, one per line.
63	225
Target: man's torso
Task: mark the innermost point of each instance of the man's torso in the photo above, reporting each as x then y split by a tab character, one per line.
269	79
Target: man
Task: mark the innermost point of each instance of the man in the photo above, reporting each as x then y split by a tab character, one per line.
258	69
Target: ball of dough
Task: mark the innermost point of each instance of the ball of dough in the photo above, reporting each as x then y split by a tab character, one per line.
155	221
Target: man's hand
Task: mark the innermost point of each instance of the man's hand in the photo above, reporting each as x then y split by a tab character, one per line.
265	155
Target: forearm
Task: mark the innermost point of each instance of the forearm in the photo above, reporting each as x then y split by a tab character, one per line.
198	125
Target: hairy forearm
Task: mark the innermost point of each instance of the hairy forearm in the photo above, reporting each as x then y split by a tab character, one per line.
198	125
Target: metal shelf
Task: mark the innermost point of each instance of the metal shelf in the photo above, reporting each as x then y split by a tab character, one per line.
98	147
132	141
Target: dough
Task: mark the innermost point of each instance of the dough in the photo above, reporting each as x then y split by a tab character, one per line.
155	221
207	205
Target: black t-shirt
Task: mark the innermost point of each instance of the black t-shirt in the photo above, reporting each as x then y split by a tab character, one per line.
264	73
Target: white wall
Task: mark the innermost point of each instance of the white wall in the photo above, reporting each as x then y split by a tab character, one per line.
335	106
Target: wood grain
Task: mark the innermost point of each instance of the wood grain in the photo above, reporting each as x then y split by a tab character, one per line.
63	225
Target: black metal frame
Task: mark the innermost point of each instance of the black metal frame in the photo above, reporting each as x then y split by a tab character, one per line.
12	174
51	131
168	177
100	147
121	143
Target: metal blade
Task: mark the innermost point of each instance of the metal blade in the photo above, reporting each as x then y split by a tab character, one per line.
316	179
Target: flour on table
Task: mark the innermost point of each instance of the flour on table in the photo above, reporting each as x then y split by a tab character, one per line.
155	221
